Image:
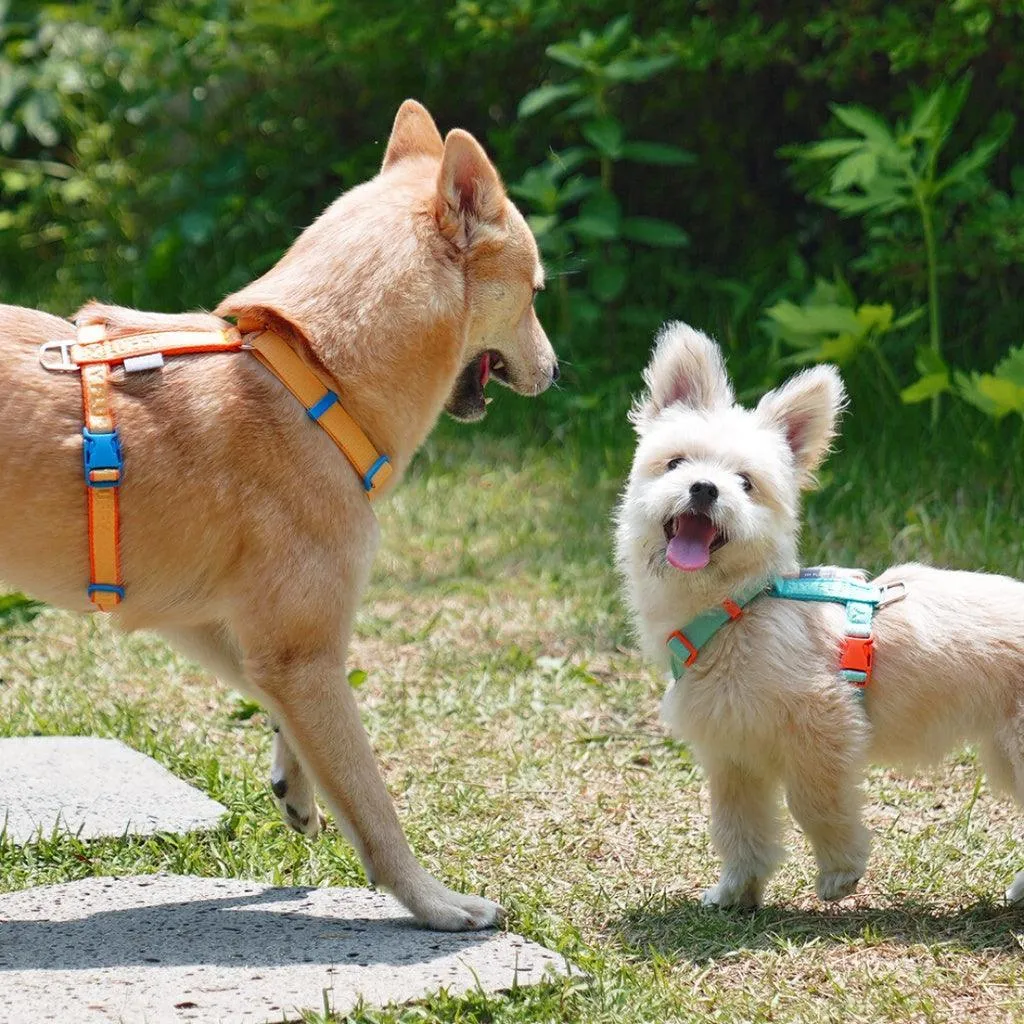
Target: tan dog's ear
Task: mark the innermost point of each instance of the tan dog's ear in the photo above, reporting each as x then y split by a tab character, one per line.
806	409
413	134
687	368
470	195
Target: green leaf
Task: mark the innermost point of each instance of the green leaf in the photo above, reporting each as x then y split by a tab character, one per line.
16	609
599	218
605	136
814	321
244	708
993	395
607	280
653	231
569	54
1012	367
535	101
827	149
867	122
928	386
859	168
875	318
929	362
356	678
656	153
639	69
974	161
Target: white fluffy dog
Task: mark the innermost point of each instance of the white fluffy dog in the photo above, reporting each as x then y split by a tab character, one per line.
708	520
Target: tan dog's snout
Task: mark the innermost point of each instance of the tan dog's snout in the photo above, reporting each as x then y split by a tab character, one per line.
532	363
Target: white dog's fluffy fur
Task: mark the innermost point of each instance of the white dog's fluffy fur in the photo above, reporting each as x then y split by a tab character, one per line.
764	705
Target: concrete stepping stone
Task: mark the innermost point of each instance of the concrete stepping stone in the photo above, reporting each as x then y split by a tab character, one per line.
93	787
173	948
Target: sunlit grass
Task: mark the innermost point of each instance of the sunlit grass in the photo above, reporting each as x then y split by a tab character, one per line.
517	730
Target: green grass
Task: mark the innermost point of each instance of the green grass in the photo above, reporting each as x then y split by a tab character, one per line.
518	732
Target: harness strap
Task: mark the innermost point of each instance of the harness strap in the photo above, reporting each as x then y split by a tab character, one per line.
848	587
323	407
93	354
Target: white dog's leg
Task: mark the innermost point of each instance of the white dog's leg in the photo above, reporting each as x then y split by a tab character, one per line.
744	830
825	799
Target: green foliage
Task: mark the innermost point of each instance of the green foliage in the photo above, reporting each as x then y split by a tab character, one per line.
163	152
881	171
577	215
830	326
17	610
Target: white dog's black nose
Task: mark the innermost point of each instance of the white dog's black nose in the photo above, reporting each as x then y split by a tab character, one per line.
703	494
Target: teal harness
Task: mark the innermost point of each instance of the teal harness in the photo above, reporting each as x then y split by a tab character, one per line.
848	587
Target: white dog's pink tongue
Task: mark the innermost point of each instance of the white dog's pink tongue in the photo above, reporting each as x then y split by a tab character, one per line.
690	546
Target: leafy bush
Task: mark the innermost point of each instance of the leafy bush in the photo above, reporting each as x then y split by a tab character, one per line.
162	152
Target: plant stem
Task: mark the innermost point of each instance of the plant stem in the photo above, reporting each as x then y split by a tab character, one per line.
931	255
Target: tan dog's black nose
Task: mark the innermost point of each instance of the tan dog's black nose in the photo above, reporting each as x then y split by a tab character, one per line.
555	373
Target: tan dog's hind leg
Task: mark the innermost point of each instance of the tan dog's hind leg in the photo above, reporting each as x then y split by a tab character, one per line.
744	830
294	794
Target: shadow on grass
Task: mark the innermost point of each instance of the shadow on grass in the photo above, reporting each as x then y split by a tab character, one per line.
686	930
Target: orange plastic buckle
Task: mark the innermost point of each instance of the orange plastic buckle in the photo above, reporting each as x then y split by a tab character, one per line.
734	610
676	635
858	655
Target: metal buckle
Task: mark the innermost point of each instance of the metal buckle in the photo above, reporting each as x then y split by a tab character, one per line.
64	348
886	599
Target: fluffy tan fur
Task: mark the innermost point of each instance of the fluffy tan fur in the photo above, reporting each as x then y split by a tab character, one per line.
764	707
246	536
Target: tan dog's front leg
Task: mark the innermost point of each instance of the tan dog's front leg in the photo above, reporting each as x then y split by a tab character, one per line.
293	792
744	830
318	716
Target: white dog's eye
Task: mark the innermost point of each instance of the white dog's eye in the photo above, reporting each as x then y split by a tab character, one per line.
745	482
677	461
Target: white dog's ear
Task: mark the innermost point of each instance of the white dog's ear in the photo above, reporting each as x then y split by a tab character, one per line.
414	134
806	409
686	368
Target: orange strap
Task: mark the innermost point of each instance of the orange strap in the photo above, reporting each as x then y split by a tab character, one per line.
323	407
94	354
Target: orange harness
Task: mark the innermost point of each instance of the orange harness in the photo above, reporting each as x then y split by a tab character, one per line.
94	355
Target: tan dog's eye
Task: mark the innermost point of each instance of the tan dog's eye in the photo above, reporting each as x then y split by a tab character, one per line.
745	482
672	463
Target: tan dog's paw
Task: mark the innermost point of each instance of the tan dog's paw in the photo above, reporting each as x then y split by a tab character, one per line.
734	892
834	885
436	906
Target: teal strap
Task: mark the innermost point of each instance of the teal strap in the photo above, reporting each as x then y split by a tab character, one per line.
839	586
684	644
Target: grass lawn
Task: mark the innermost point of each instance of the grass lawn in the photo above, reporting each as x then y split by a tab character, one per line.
518	732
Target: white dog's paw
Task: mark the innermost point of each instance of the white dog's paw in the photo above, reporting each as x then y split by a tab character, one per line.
1015	894
834	885
732	892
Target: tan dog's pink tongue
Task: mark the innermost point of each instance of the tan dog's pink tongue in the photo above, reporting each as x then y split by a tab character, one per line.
485	369
690	546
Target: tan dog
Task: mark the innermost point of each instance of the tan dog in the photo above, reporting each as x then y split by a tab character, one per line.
247	539
711	512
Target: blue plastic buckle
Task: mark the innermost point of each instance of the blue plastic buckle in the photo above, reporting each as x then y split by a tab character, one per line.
382	460
106	588
318	408
101	453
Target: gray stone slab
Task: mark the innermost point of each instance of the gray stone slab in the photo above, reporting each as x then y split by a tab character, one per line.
172	948
93	787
